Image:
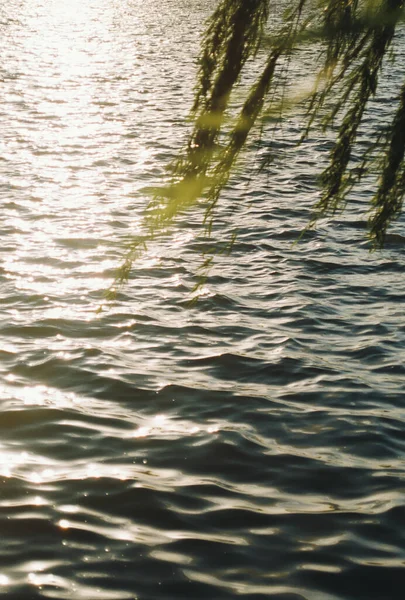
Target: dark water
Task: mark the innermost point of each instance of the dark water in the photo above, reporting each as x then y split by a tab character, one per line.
251	445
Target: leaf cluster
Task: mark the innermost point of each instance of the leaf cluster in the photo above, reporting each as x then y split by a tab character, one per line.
355	38
352	39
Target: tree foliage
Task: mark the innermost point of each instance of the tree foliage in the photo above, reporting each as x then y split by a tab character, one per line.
351	40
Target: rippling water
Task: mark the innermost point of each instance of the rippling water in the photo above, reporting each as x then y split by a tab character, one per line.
251	444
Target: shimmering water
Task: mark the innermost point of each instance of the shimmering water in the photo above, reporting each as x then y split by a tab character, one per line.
251	445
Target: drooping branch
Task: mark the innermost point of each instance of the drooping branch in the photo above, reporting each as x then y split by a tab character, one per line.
356	37
388	200
359	81
353	38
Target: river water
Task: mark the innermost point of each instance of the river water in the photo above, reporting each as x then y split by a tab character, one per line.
248	445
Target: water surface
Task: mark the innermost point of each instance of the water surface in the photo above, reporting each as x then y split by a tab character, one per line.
250	445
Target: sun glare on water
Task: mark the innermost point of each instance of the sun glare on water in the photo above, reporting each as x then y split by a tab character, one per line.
72	131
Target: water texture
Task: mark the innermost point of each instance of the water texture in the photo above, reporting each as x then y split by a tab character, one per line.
248	445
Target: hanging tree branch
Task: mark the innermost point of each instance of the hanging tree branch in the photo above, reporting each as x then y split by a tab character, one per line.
356	37
353	38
